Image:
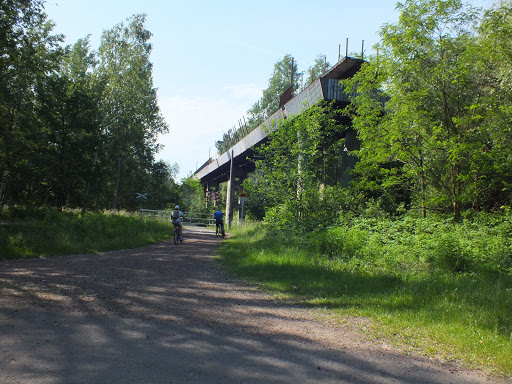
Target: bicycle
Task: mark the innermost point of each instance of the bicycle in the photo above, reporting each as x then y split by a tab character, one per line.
219	228
177	235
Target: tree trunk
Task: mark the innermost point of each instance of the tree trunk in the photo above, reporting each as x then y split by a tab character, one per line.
3	189
118	182
423	183
300	171
456	187
89	182
229	193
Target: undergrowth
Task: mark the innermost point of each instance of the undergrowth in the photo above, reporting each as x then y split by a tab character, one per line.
43	233
438	288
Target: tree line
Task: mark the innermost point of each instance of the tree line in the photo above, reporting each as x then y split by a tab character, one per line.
441	143
78	128
444	134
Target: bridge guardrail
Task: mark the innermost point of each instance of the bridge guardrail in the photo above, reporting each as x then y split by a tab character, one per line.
189	218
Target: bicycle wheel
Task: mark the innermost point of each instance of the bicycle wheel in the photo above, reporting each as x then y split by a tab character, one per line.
176	236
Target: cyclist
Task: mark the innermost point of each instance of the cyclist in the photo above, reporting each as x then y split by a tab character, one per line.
177	217
218	215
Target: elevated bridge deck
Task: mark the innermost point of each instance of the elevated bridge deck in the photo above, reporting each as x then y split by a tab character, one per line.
324	88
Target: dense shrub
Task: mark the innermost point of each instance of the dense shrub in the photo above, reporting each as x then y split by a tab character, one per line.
477	245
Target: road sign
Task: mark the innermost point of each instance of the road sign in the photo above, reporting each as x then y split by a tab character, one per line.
142	196
213	196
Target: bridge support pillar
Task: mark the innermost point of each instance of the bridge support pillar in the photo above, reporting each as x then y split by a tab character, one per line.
229	192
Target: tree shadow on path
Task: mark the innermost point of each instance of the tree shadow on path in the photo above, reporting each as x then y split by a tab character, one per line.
169	314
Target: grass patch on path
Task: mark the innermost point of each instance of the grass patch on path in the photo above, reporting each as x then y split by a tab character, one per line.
465	317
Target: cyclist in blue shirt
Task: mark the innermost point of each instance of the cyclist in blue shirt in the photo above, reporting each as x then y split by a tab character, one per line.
218	216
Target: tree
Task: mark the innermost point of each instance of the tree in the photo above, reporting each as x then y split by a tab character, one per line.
161	185
492	175
298	165
192	196
28	53
318	69
132	118
68	111
279	82
429	74
54	148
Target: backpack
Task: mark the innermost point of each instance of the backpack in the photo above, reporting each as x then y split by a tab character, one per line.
175	215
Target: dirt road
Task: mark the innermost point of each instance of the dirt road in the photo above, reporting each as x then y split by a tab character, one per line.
169	314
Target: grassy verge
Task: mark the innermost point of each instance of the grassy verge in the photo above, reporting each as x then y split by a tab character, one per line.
49	233
418	299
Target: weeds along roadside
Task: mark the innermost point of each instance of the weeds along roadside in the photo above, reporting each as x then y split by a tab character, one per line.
430	286
44	233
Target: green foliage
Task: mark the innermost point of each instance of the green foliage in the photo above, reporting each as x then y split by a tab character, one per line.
442	132
391	271
297	169
43	233
318	69
429	245
257	203
192	196
78	128
28	52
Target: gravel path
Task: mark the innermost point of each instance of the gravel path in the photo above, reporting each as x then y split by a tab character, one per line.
169	314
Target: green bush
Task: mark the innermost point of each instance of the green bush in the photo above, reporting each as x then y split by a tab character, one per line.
435	244
450	256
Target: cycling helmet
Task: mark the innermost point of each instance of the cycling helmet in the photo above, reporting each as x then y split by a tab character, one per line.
177	207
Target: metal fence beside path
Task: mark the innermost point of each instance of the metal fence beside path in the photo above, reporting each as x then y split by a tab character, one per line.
189	218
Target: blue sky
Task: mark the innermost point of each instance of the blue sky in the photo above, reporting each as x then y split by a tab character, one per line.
212	59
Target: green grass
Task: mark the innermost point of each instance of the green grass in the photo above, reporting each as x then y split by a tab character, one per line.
45	233
390	272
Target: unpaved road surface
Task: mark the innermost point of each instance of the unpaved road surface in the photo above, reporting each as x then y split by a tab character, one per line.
169	314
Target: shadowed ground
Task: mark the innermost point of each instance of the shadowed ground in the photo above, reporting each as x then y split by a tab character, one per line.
169	314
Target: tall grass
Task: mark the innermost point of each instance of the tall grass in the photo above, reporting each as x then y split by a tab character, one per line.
42	233
441	289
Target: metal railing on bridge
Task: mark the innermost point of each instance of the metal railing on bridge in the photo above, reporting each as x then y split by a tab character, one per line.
189	218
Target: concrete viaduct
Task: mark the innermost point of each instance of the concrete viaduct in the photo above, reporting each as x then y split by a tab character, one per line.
236	161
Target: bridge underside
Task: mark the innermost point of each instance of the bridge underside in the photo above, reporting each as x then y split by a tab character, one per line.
241	167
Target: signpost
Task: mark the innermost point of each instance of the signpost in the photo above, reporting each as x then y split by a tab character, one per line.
141	197
242	202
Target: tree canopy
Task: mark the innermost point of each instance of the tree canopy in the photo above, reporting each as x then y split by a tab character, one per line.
78	128
444	129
